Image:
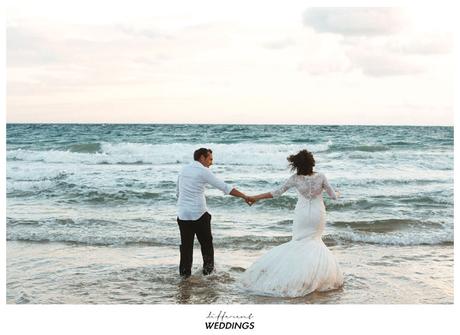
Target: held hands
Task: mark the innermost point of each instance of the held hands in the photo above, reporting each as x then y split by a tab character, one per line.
250	200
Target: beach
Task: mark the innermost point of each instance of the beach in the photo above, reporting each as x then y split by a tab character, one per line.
58	274
91	215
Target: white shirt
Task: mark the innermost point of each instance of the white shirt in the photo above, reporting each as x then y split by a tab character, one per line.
191	183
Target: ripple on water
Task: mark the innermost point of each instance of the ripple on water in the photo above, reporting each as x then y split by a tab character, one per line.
22	298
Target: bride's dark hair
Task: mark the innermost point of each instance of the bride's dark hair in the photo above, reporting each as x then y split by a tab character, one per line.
303	162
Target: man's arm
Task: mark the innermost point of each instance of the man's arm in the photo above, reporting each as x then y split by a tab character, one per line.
227	189
239	194
212	180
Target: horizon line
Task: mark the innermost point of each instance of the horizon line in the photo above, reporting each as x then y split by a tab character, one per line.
237	124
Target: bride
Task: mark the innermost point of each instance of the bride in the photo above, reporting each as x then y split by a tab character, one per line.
304	264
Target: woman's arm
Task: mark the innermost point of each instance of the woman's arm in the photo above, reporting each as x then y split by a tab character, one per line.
287	185
261	196
330	191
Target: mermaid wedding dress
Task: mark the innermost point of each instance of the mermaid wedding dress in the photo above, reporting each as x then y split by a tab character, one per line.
304	264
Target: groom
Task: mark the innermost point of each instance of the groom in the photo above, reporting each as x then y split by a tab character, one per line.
192	215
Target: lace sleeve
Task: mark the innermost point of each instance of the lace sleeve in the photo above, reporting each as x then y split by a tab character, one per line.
330	191
286	186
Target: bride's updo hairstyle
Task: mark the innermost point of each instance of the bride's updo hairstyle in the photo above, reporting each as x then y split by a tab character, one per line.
303	162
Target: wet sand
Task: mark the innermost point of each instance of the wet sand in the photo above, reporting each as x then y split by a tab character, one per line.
56	273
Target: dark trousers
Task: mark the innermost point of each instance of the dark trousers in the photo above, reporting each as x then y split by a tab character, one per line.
202	229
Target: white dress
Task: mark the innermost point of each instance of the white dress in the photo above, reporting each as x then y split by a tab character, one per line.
304	264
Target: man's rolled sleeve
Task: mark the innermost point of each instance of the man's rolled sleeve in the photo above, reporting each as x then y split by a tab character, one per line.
217	183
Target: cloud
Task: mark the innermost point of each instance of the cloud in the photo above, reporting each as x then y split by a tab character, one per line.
355	21
324	64
47	61
394	55
45	58
147	33
374	41
24	48
408	112
422	44
110	67
279	44
378	63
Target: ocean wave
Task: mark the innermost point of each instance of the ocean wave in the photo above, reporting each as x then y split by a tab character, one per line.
443	237
91	240
285	202
378	202
243	242
146	153
60	222
364	148
25	222
97	196
409	180
386	225
39	176
249	242
64	190
86	148
361	204
403	143
289	202
425	201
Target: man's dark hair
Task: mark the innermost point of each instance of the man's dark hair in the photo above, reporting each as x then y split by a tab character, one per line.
201	152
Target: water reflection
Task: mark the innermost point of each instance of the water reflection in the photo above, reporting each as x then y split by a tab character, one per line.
197	289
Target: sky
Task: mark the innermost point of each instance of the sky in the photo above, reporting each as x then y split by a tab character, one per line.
257	62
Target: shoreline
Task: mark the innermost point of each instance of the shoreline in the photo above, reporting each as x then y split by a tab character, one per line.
148	275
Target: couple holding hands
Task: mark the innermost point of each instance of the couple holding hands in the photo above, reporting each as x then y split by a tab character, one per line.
292	269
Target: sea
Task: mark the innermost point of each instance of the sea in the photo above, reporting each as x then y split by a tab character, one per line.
91	211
